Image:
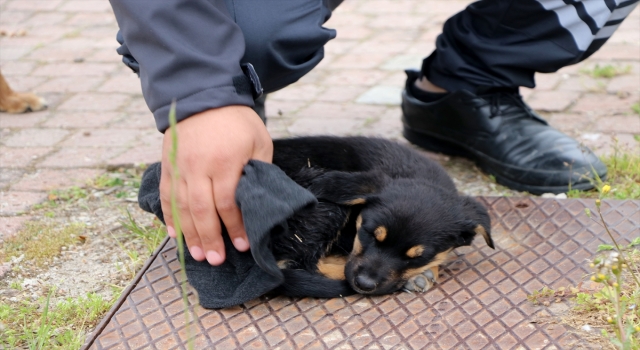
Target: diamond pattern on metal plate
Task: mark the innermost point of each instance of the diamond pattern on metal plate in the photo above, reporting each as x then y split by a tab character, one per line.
479	302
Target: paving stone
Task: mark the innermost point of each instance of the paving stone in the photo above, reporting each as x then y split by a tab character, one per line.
135	156
604	104
333	126
71	84
381	95
33	5
605	143
23	120
92	19
21	157
616	53
74	69
402	62
619	124
297	92
36	137
50	179
552	101
583	83
570	123
354	77
92	101
135	121
127	83
625	84
360	61
16	202
340	93
17	68
81	157
22	82
546	81
8	176
100	138
60	54
85	6
137	106
277	109
327	111
45	20
79	120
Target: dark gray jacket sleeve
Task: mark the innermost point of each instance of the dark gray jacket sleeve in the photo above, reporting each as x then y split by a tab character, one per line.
185	50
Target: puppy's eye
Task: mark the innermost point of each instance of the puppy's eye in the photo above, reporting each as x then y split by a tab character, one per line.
415	251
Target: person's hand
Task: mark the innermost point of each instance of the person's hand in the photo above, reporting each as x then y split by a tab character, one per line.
213	147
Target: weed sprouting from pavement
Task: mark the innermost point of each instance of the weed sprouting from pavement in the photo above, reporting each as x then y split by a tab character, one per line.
607	71
175	177
151	236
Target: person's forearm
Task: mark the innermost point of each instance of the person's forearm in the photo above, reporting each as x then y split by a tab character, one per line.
187	50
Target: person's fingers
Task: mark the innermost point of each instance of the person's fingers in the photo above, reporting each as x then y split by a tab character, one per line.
171	232
206	222
189	231
224	195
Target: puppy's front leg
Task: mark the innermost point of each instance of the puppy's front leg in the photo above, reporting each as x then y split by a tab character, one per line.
348	188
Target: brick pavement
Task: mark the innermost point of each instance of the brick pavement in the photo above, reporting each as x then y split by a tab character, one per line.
97	118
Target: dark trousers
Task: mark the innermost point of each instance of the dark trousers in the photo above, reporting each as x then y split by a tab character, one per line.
492	43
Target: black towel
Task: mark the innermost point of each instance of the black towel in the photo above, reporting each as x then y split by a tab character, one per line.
267	197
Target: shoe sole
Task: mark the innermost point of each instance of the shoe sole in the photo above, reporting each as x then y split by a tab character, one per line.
438	145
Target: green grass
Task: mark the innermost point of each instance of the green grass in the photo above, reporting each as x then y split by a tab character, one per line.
40	241
623	175
44	325
151	236
606	71
636	108
58	197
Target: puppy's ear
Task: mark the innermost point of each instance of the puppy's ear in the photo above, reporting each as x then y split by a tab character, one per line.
477	222
348	188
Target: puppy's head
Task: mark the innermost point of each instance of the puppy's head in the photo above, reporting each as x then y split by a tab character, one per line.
407	228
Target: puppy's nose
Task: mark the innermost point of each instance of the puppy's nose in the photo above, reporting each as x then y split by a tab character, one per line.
365	283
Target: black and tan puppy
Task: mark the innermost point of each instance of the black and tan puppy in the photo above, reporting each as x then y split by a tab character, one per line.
387	217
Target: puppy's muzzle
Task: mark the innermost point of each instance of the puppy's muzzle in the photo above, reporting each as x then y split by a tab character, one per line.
365	283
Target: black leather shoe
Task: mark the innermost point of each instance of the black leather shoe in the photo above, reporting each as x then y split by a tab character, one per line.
505	138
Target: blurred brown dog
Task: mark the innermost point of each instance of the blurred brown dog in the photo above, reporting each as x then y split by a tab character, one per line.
18	102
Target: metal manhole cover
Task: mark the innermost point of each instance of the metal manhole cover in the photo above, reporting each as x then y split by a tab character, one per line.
480	301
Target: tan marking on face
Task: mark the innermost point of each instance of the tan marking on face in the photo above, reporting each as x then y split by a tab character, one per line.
479	230
415	251
380	233
332	267
283	264
437	261
355	201
358	222
357	246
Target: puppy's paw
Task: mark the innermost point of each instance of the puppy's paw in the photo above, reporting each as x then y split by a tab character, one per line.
22	102
421	283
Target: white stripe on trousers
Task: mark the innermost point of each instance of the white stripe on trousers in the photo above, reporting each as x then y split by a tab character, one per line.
596	9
